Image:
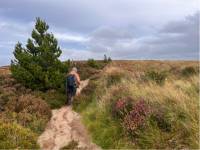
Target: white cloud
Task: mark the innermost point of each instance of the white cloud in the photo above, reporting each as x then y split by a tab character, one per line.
70	37
75	54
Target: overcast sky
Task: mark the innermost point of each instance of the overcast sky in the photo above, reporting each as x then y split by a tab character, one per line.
122	29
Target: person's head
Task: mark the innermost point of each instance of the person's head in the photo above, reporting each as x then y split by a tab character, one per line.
74	69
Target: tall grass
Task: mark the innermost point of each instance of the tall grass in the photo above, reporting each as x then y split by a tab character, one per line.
174	118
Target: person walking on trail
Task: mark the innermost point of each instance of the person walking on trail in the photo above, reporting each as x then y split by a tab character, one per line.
73	82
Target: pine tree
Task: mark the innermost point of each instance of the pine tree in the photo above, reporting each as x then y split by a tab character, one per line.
105	58
37	66
109	59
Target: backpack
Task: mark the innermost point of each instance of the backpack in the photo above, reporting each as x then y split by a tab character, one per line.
71	81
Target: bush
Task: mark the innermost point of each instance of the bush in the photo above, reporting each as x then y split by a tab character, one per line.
13	136
92	63
28	111
122	107
158	77
137	117
107	60
37	66
187	71
29	104
3	101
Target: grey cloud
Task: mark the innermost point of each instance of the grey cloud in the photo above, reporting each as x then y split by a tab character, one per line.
123	29
106	38
180	38
177	39
88	15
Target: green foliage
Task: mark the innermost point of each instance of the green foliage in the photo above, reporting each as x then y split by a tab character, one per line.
158	77
109	134
37	66
13	136
188	71
53	98
92	63
107	59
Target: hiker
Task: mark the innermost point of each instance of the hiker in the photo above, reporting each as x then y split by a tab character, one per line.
72	83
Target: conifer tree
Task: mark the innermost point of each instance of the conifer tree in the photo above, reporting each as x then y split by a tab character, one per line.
37	66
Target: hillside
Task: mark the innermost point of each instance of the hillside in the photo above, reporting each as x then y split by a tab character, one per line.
143	104
127	104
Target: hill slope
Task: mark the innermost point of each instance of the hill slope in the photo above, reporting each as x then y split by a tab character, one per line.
143	104
127	104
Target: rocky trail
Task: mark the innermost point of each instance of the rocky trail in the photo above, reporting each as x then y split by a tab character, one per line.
64	127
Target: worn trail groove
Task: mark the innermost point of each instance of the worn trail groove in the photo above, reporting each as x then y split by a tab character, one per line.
65	126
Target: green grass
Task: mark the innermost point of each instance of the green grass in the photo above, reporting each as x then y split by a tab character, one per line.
105	131
175	103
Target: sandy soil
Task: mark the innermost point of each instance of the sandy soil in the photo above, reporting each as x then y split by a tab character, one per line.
65	126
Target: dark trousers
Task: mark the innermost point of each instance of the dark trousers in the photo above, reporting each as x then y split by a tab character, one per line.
71	92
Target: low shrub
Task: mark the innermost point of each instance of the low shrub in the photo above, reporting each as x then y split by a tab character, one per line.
187	71
29	104
137	117
92	63
158	77
122	107
3	101
28	111
13	136
27	120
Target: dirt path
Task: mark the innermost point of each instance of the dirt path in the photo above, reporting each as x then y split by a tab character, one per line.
64	127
